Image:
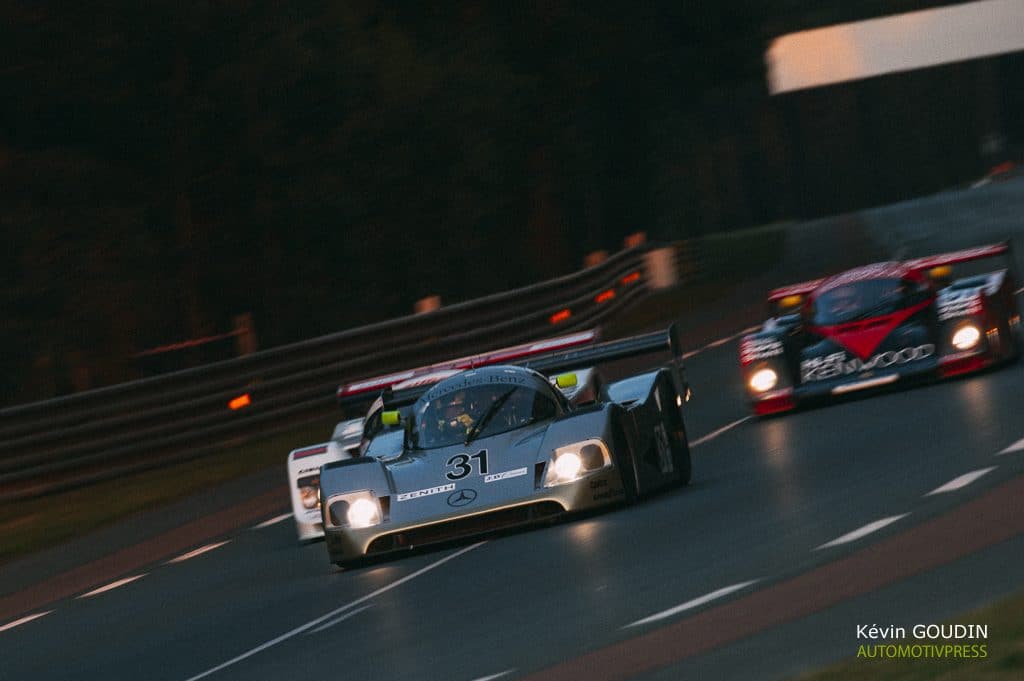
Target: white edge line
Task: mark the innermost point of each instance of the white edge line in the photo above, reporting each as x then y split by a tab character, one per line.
1018	291
338	620
862	531
715	433
333	613
112	585
495	676
24	620
961	481
198	552
273	521
721	341
1015	447
691	604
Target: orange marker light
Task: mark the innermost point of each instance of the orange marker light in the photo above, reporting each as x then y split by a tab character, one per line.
561	316
604	296
631	278
239	402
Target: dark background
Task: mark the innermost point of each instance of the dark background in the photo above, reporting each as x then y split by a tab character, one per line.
166	166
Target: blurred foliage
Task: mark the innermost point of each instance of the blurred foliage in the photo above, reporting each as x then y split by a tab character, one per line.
324	164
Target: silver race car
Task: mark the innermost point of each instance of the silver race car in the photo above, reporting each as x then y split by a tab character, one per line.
351	436
501	446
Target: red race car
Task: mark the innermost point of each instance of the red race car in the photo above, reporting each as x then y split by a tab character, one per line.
880	325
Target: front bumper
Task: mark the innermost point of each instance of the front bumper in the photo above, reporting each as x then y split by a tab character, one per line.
598	489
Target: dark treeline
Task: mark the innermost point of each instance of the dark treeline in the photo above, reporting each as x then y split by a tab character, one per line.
321	165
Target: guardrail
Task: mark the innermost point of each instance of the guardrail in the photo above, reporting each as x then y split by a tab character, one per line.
100	434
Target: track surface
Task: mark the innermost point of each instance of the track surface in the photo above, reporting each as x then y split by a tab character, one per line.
558	602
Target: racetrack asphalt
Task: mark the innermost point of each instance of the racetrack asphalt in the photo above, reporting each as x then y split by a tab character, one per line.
558	602
748	573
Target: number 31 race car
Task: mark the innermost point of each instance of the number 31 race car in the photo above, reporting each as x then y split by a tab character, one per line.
351	436
881	324
508	445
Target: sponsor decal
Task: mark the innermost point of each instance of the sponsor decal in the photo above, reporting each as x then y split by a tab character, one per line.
837	363
959	304
462	497
753	349
440	489
505	475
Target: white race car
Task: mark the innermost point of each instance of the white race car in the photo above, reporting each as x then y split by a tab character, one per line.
304	474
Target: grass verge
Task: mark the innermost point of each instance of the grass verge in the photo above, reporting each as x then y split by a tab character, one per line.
28	526
1004	653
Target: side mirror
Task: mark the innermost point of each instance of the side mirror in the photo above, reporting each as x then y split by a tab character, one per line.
390	418
565	381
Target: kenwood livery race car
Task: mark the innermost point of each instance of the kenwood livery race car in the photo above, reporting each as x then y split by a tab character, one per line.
350	437
877	325
504	445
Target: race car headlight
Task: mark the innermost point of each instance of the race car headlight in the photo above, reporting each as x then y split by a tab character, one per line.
966	337
356	510
763	380
310	496
575	461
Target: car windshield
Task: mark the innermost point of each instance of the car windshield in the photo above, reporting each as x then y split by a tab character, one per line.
477	411
862	300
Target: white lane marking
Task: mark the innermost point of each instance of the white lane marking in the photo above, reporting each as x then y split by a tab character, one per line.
962	481
720	341
715	433
495	676
113	585
333	613
863	531
198	552
691	353
689	605
1017	446
23	620
750	329
1019	291
338	620
273	521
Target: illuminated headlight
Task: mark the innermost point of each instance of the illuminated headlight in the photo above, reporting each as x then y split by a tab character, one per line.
966	337
360	509
310	496
575	461
763	380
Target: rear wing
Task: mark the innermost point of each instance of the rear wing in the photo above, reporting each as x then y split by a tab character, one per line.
958	257
365	390
547	357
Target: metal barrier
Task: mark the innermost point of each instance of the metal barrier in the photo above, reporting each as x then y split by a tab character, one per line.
100	434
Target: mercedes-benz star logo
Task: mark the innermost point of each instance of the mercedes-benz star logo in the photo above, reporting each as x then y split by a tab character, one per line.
461	497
